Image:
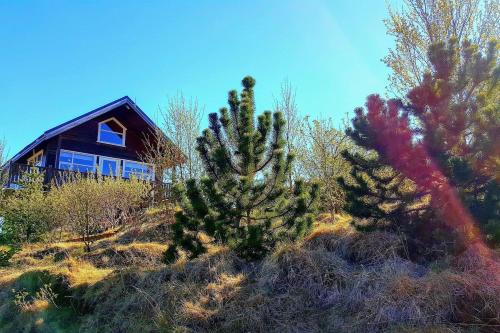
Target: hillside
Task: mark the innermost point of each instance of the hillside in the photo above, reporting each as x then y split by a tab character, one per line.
335	280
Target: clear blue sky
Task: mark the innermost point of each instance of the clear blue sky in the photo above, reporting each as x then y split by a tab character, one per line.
60	59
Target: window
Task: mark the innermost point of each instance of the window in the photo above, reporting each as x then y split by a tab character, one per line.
36	159
69	160
139	170
109	166
112	132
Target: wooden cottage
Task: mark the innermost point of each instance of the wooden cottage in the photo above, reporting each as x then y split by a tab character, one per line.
108	140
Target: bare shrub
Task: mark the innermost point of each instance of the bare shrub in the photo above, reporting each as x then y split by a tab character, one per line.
89	205
26	212
41	300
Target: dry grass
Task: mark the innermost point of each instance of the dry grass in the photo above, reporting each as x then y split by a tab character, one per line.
134	254
335	280
80	273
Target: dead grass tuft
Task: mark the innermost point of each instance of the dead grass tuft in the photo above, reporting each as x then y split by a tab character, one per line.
375	247
135	254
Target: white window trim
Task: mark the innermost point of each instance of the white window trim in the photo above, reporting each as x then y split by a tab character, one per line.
118	165
34	156
123	133
94	157
149	164
98	166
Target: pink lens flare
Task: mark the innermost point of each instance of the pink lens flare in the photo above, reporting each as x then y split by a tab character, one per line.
395	141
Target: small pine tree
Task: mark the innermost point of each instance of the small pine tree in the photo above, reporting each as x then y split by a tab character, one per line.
243	201
380	196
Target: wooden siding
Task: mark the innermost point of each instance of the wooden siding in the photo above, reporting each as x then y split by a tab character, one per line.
83	138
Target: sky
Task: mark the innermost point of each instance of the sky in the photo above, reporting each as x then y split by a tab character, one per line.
59	59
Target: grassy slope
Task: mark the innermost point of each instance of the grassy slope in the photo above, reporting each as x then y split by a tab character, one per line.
335	280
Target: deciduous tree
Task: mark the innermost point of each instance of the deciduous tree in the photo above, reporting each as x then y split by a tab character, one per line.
421	23
181	123
320	158
287	105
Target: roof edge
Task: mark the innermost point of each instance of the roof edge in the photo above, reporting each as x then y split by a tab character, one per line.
81	119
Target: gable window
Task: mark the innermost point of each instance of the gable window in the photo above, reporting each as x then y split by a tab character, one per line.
136	169
74	161
111	132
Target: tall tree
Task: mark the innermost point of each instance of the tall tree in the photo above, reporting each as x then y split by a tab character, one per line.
181	123
243	201
380	197
420	23
443	139
287	105
171	147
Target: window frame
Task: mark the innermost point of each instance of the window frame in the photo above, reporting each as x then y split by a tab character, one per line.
121	162
118	165
123	133
153	175
94	158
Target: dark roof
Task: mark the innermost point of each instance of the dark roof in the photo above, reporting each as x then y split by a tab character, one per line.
81	119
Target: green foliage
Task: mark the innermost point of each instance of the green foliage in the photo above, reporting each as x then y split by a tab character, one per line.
244	201
442	142
6	252
88	205
27	211
379	195
458	108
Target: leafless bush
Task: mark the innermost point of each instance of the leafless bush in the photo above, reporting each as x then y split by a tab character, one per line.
320	159
88	205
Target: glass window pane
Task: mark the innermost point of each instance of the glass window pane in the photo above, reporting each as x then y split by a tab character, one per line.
109	167
39	161
65	157
139	170
65	166
82	168
111	137
83	159
111	126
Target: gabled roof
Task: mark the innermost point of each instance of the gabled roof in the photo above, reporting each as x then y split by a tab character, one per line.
82	119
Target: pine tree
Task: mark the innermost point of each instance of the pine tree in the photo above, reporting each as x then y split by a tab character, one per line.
243	201
442	140
457	107
378	196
